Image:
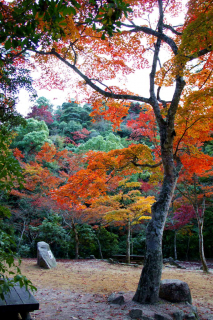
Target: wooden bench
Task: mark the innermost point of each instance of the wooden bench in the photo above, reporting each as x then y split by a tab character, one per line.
133	258
18	301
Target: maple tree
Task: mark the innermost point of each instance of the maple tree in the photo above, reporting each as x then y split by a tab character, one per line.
40	179
188	69
197	194
41	113
179	219
127	206
87	45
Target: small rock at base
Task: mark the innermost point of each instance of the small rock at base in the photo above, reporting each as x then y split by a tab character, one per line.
190	316
135	313
178	315
115	299
159	316
175	290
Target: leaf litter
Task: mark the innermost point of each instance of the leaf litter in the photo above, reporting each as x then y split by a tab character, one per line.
78	289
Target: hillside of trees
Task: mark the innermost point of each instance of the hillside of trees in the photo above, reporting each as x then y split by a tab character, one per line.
51	146
126	171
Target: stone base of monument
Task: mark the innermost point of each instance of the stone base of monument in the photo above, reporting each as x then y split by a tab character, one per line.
174	303
45	257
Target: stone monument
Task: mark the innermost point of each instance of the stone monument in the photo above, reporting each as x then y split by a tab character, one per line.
45	257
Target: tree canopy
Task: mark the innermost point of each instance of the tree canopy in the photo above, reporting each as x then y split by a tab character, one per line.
109	40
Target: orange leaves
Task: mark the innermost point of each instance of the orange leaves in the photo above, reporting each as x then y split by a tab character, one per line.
194	125
18	154
81	187
198	163
103	172
47	153
113	111
39	178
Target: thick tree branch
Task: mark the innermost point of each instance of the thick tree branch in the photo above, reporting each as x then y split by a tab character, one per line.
146	165
157	34
155	103
166	26
93	85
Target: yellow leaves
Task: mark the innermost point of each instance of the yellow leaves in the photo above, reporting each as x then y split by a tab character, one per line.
145	218
198	33
133	184
194	122
200	98
126	206
70	29
164	77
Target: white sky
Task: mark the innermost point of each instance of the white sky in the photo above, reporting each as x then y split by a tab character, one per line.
57	97
137	83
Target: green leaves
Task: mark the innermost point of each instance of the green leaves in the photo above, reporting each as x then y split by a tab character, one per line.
8	44
110	15
10	170
7	260
20	24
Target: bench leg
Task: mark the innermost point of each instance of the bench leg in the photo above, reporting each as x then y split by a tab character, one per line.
25	316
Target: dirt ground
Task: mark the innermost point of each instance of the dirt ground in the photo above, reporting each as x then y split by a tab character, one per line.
78	289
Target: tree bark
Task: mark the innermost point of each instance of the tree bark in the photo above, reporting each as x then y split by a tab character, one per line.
149	284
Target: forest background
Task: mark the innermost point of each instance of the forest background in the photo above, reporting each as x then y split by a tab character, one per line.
76	177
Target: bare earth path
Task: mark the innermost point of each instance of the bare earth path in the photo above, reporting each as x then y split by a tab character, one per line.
78	289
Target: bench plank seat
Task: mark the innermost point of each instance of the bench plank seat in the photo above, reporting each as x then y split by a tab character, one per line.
18	300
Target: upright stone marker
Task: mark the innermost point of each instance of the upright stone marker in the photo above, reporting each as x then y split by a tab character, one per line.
45	257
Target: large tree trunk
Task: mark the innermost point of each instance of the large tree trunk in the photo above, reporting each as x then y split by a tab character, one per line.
201	246
149	283
128	242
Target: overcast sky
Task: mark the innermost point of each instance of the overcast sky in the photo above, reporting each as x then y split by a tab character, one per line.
137	83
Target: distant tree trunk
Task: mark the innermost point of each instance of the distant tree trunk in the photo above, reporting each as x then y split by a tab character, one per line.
20	239
73	227
200	221
132	244
201	246
99	244
175	244
187	249
128	241
76	239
